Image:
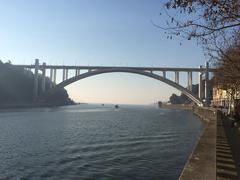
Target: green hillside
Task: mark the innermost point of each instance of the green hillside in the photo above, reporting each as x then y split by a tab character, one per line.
16	86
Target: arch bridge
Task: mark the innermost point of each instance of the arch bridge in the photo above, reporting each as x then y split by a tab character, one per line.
153	72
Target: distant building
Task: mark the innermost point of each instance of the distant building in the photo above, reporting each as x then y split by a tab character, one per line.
220	97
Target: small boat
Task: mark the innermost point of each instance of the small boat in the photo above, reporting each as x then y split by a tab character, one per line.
116	106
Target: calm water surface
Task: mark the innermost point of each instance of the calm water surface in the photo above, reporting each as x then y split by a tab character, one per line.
95	142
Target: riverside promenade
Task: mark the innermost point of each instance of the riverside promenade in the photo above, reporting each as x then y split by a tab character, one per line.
228	150
217	153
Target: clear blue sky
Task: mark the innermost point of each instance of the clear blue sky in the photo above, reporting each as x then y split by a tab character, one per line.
96	32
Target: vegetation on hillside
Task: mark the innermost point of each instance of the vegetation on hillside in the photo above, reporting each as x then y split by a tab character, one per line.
16	86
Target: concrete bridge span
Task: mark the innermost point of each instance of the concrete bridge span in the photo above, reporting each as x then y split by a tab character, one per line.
203	97
134	71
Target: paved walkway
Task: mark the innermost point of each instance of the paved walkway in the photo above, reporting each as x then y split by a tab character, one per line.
228	150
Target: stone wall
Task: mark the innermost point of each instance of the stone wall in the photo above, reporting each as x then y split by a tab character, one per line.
205	113
202	162
177	106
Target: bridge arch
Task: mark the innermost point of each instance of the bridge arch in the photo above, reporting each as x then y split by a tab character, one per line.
129	70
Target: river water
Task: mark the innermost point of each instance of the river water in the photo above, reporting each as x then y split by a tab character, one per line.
96	142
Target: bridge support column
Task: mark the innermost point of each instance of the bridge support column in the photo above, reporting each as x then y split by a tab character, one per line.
164	74
51	78
77	72
207	91
35	87
190	81
63	77
54	75
200	86
66	75
43	78
177	77
51	74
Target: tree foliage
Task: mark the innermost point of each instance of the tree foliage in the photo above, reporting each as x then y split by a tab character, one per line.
200	18
16	86
227	76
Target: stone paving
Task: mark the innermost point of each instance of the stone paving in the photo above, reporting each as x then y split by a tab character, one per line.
217	153
202	162
227	150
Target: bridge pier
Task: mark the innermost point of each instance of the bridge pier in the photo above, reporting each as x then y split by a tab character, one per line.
51	74
164	74
177	77
35	86
190	81
43	78
54	75
207	91
63	77
51	77
76	72
66	75
200	85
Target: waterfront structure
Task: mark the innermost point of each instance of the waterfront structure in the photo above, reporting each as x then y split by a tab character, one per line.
153	72
222	99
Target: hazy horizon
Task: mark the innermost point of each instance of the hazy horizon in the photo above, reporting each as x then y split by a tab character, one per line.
107	33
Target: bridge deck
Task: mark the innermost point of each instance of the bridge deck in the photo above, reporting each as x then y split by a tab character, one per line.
112	67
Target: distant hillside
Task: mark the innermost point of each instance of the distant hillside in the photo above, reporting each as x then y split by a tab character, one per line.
16	86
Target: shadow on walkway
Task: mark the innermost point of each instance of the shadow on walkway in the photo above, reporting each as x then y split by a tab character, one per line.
227	150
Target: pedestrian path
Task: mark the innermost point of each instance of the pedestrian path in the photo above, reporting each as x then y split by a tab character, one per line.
227	150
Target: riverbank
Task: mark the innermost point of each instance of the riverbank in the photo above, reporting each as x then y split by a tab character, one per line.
216	155
22	105
177	106
202	162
